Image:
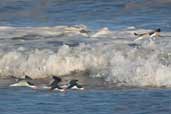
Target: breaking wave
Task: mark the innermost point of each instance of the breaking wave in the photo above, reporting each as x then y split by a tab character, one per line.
111	55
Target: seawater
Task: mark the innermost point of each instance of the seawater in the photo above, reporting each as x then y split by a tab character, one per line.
41	38
95	14
121	101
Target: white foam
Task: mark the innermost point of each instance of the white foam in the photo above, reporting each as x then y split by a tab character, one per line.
10	32
102	32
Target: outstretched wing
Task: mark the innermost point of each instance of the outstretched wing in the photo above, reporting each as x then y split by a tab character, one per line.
57	78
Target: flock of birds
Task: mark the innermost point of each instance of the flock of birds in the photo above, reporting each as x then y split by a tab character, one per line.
54	85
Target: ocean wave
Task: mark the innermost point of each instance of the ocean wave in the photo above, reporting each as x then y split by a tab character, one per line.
106	54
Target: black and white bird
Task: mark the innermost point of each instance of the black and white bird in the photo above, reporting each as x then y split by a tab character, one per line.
55	84
152	34
24	82
74	85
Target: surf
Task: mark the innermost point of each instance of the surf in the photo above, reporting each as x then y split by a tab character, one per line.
111	55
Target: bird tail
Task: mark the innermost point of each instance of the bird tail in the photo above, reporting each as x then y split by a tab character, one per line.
136	34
